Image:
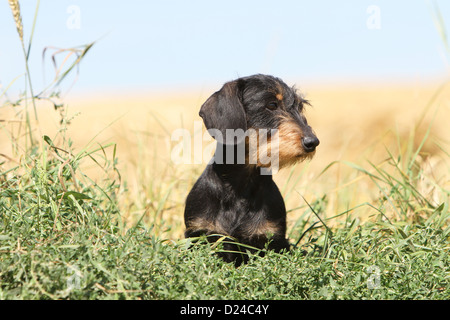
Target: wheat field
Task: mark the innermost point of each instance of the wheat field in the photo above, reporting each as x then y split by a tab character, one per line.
356	125
102	195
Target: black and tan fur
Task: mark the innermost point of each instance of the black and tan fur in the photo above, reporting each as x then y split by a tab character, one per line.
235	199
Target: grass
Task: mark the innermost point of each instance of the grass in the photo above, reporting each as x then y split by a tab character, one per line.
41	261
74	224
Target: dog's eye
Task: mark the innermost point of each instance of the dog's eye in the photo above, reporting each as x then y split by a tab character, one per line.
272	106
302	104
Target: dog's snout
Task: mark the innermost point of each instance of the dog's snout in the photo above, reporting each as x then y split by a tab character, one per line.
310	143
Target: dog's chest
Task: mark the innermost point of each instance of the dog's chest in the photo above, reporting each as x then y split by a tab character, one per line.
252	207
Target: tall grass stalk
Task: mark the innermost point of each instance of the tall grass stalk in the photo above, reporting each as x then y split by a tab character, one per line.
15	7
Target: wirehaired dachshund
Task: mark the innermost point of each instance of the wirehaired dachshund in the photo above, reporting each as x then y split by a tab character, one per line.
236	196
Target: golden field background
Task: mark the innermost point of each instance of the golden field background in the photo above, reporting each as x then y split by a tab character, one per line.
356	124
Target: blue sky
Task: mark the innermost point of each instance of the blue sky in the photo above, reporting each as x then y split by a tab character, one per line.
171	44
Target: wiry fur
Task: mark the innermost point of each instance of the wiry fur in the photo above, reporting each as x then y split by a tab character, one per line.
234	199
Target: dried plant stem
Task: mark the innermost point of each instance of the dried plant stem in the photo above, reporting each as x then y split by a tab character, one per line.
15	8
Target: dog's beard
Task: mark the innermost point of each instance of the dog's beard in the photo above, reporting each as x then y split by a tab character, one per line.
281	149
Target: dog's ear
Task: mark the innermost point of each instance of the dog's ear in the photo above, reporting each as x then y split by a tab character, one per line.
224	110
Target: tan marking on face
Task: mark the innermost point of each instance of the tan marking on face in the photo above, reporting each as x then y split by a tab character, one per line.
289	147
290	141
256	150
279	96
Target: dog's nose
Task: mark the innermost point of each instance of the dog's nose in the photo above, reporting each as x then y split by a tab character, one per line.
310	143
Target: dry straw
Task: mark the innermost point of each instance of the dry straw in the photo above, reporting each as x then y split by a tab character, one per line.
15	7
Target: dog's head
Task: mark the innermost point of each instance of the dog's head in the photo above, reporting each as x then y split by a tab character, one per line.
261	103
